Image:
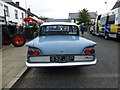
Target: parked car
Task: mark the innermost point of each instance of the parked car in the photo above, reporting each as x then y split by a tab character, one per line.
59	44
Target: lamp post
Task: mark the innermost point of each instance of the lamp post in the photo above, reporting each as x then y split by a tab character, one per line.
26	8
106	5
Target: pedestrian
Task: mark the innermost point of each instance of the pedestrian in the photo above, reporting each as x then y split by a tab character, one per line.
82	29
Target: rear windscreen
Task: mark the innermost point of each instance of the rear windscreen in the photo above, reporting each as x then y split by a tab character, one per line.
59	30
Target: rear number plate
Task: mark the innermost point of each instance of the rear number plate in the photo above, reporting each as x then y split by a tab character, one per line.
61	58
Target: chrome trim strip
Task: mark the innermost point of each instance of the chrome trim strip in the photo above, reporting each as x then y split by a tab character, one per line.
47	58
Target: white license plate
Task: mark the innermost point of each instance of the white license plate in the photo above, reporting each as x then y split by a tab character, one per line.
61	58
58	58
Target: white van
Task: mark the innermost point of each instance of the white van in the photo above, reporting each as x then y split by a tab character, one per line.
108	24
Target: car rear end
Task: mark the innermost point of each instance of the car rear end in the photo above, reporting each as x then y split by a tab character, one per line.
61	49
37	59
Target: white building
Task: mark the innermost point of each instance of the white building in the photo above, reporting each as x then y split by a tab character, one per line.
13	12
1	11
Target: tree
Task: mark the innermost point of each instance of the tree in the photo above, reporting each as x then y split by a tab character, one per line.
84	17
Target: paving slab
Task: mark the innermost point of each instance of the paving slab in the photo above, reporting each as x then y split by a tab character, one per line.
0	69
13	63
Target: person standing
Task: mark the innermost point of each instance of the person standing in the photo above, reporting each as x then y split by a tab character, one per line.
82	29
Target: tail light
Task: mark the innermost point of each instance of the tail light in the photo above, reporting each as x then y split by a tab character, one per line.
36	52
89	51
92	51
30	52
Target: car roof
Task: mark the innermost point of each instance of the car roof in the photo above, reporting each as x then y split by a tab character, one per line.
58	23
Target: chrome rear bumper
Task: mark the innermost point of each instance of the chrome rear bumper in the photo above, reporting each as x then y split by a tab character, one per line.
61	64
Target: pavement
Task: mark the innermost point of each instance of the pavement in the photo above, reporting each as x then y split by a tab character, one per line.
0	69
13	64
0	36
0	57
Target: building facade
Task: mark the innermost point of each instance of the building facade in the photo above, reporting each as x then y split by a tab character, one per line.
57	20
13	12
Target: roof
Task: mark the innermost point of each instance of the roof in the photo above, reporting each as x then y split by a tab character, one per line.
117	4
93	15
73	15
58	20
58	23
15	5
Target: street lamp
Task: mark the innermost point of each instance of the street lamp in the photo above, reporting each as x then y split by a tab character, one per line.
106	5
26	8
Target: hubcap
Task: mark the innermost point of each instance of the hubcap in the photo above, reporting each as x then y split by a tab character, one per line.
18	39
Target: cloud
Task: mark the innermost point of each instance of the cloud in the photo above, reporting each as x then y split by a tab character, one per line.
61	8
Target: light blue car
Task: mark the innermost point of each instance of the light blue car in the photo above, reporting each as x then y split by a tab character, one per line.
59	45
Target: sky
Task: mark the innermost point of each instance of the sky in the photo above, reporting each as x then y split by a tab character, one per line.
60	9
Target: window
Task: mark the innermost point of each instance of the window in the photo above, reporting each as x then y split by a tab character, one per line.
16	14
111	19
22	15
6	10
103	20
59	30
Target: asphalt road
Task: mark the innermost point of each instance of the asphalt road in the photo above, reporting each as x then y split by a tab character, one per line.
102	75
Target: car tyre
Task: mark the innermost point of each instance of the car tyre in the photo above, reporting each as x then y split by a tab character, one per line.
106	36
93	34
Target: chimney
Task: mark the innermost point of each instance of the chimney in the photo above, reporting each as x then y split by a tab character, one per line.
17	3
28	9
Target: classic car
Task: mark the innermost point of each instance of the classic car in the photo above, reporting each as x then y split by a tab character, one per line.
59	44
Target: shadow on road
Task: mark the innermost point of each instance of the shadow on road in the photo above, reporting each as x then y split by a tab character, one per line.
60	72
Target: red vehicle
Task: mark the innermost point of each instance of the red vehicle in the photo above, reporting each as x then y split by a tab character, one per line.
10	35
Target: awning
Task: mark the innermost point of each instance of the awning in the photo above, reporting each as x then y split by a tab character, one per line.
33	19
40	21
29	19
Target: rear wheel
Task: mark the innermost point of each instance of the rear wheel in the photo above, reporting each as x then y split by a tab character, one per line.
106	36
118	37
18	40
